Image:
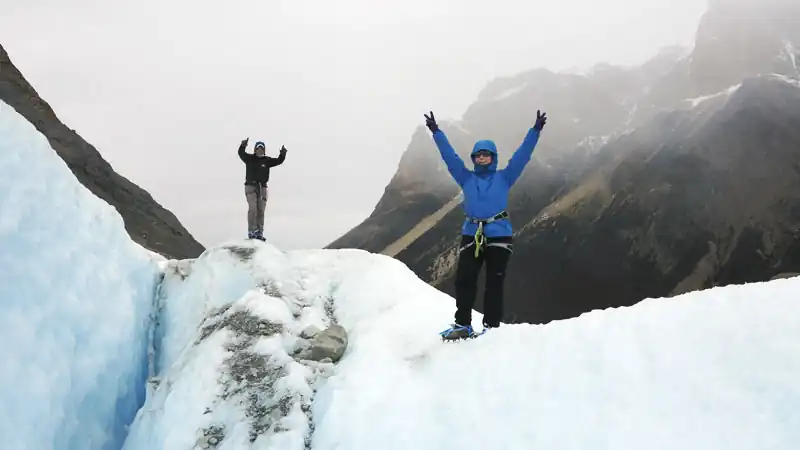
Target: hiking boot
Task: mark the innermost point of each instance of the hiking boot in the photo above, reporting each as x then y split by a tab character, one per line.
457	332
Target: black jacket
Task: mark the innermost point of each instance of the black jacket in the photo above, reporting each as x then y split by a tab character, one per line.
258	167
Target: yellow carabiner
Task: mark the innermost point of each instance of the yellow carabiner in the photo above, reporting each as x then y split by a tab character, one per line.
478	239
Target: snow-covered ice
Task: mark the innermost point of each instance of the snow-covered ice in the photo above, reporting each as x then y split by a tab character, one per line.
75	294
240	309
716	369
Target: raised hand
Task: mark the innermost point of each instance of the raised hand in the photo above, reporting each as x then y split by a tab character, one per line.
283	149
430	122
541	120
245	141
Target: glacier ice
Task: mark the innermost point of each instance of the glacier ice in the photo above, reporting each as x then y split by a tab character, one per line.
75	294
229	369
715	369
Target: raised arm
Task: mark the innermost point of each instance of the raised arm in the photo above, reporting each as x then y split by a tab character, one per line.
455	165
279	160
522	156
244	156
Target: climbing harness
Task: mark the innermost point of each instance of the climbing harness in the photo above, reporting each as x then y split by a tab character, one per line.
261	188
480	239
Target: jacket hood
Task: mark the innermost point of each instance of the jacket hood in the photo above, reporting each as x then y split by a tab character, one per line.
485	145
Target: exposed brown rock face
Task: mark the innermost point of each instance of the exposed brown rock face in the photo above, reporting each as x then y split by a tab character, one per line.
147	222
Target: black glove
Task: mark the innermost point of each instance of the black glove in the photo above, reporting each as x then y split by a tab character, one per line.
430	122
283	149
541	120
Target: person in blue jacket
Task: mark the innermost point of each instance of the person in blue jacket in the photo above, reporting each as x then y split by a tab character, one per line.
486	234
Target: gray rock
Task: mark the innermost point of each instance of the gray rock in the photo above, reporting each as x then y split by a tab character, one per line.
300	346
329	344
309	332
212	437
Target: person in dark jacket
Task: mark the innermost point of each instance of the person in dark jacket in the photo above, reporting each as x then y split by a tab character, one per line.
486	234
257	167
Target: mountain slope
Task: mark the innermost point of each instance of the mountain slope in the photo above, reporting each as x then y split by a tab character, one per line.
147	222
418	189
421	186
648	181
701	197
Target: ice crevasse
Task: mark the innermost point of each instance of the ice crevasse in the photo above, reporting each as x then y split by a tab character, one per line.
75	296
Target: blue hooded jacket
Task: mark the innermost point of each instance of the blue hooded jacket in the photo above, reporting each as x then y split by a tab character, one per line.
486	188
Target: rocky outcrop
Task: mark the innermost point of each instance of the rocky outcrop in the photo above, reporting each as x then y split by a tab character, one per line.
147	222
323	346
648	181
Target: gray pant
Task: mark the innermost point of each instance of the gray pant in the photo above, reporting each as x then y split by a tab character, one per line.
256	204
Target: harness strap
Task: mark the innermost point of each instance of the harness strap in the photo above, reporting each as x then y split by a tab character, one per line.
507	246
479	236
261	185
500	216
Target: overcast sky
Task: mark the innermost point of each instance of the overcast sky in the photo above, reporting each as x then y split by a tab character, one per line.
166	89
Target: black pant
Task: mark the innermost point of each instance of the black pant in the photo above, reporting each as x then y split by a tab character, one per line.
469	267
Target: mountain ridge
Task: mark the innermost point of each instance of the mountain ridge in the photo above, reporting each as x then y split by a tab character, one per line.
613	207
147	222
